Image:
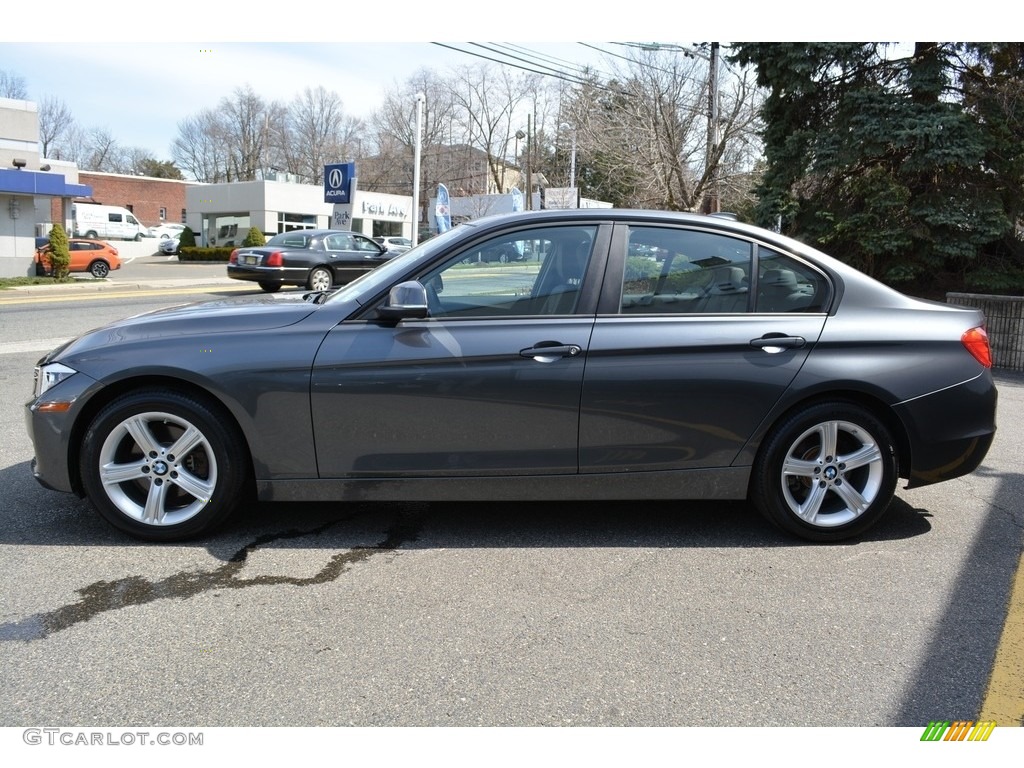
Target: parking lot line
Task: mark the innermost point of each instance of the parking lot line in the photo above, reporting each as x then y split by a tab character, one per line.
1004	699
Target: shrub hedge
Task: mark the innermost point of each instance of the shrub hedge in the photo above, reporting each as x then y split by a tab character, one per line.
205	254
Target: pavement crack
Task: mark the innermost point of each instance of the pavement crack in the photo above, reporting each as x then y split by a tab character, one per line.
104	596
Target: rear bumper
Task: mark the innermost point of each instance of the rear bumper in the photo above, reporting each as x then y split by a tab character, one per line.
950	431
282	275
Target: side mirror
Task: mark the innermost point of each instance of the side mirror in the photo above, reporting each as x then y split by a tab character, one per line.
406	300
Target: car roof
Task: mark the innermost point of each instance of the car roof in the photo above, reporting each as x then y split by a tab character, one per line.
319	232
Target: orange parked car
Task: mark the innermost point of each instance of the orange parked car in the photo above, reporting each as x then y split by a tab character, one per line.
93	256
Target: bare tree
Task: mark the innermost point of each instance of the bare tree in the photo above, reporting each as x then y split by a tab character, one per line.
12	86
55	125
245	117
490	104
102	151
390	166
318	132
200	148
234	142
645	134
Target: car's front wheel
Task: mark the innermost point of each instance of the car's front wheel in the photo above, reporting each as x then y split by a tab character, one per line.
319	279
163	465
99	269
826	473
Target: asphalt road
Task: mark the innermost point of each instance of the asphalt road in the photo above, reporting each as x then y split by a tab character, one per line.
652	614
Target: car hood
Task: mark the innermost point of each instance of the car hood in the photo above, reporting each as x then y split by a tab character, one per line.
258	313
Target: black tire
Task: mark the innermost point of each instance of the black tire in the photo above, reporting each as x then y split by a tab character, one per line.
99	269
91	234
138	237
136	482
826	473
320	279
269	287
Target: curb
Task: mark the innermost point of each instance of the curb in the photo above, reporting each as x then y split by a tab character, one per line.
99	286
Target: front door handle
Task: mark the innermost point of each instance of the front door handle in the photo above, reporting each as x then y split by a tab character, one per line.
547	353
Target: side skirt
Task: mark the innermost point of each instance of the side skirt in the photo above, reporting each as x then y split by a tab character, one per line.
727	483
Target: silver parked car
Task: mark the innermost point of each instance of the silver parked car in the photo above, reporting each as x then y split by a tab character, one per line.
394	244
170	245
634	355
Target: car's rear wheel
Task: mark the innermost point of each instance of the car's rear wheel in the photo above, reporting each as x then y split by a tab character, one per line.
138	237
91	234
163	465
99	269
270	287
826	473
319	279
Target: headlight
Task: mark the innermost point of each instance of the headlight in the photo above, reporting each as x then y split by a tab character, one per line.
50	375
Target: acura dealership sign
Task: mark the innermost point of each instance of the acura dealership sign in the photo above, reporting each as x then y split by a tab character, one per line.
338	183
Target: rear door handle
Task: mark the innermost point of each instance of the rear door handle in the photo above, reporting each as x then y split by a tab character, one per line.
773	344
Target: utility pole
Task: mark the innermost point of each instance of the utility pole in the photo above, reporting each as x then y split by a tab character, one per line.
529	185
713	204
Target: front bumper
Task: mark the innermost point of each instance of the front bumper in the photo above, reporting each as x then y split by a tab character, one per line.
53	433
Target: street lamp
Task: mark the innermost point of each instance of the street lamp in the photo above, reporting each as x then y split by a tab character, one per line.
515	155
418	144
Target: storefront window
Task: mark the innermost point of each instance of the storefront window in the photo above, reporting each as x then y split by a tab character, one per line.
289	222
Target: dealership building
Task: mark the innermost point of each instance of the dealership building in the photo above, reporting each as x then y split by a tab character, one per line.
29	187
222	214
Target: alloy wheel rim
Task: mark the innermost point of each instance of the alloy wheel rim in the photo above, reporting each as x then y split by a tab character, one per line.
832	473
321	280
157	468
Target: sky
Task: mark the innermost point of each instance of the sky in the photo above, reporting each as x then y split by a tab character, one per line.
141	89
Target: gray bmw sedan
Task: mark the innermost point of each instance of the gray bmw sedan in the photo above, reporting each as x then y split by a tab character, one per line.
616	354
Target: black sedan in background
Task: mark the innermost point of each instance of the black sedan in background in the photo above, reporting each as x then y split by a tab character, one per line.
732	363
315	258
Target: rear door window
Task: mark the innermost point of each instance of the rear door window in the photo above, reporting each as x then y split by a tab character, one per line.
681	271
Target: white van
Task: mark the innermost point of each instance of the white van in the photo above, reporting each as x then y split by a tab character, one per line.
108	222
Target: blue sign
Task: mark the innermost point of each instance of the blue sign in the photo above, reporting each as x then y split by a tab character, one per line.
338	185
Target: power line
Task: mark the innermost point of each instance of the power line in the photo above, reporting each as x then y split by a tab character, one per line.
575	80
580	70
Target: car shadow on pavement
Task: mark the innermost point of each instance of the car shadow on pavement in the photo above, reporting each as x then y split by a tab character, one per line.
954	669
351	533
36	516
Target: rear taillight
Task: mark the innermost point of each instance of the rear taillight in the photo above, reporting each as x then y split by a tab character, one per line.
233	259
976	342
273	260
